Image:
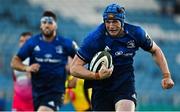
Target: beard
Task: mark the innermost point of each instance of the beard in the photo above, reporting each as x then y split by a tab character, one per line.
47	33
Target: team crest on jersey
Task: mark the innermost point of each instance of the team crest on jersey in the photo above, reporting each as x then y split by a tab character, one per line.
59	49
131	44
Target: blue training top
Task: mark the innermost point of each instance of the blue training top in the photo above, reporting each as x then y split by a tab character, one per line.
122	50
52	57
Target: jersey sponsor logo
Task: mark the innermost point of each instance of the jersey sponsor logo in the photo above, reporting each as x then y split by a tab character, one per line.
128	54
131	44
37	48
59	49
121	53
48	56
47	60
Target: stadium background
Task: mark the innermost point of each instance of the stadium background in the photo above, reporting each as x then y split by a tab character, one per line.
161	18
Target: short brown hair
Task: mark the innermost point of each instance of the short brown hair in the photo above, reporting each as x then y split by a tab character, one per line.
49	14
26	33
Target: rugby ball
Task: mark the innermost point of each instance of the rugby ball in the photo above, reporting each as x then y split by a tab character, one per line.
99	58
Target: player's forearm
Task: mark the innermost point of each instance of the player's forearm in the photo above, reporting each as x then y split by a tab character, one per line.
161	62
81	72
17	64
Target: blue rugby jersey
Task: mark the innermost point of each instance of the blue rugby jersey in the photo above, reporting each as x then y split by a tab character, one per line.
122	50
52	57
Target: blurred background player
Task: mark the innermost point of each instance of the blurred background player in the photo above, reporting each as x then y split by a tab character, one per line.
116	90
22	97
48	54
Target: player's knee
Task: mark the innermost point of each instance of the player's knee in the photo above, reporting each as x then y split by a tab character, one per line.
125	105
45	109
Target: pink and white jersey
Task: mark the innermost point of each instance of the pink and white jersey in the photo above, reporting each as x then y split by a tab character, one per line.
22	91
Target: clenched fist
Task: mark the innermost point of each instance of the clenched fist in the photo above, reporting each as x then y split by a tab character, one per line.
32	68
167	82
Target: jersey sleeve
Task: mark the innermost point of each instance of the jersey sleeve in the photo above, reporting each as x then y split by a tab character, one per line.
72	47
145	42
91	44
26	50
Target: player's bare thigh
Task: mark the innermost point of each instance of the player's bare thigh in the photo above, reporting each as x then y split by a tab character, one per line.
125	105
45	109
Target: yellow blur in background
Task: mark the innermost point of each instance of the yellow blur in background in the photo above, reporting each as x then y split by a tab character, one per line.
77	97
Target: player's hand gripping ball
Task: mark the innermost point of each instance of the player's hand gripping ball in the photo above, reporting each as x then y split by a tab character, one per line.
102	63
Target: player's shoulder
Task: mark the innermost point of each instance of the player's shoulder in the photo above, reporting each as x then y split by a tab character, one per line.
134	30
101	29
35	37
65	41
98	32
61	38
33	40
